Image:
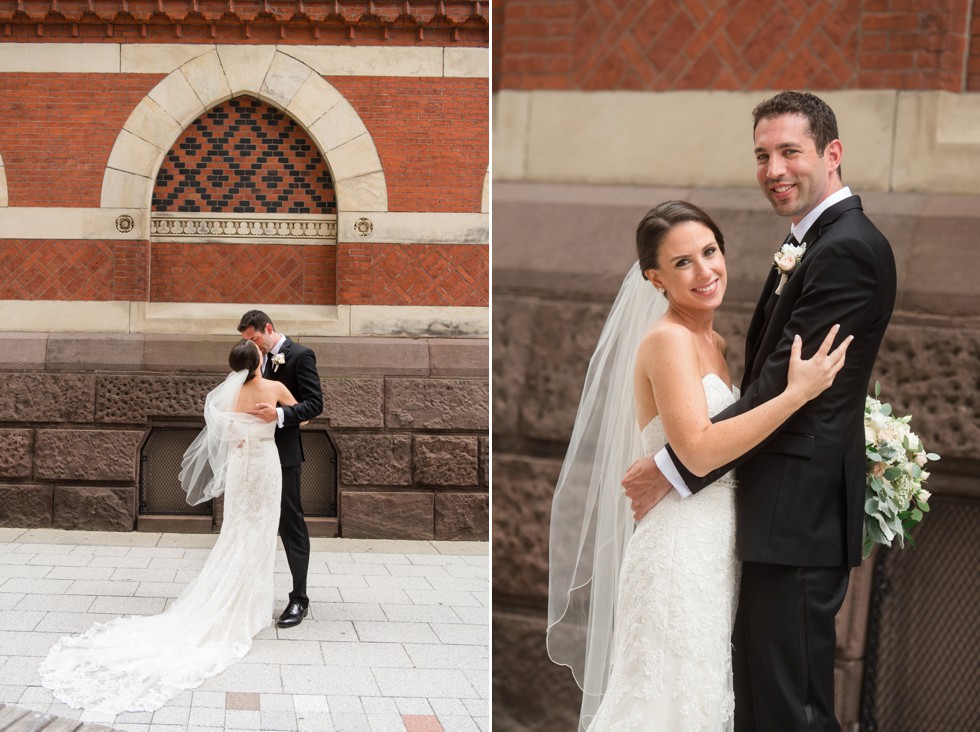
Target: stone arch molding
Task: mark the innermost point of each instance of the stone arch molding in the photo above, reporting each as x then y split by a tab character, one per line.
270	75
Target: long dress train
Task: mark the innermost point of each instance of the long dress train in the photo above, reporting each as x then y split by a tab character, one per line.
137	663
672	665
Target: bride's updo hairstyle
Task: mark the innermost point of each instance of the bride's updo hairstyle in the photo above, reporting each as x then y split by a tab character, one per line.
657	224
244	355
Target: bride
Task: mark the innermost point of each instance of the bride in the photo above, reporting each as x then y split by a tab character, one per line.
643	616
137	663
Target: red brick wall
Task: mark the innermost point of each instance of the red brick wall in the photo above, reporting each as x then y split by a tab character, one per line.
57	130
39	269
432	135
660	45
271	273
414	274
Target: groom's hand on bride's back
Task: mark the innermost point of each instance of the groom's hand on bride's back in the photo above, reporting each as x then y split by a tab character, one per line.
645	486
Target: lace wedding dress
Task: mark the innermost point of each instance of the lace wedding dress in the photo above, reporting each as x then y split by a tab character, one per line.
137	663
671	664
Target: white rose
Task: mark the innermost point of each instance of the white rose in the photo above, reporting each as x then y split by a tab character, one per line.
921	459
869	435
923	495
785	262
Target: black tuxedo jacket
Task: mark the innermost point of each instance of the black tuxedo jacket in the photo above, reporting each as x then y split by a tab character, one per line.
800	495
300	376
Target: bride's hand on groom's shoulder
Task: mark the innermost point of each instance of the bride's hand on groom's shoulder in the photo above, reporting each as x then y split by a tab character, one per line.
645	486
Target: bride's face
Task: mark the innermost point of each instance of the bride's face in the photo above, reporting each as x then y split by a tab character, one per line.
691	267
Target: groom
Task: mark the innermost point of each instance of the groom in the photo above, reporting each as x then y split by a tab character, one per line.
295	366
800	495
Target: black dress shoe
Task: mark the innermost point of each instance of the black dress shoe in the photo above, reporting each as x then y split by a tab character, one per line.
292	615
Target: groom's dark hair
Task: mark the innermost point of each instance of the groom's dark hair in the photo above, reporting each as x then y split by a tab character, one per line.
820	118
254	319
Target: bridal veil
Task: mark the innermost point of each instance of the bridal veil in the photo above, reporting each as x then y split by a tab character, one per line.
205	463
591	520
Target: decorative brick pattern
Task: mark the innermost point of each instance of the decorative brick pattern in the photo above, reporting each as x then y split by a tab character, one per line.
432	135
37	269
244	156
413	274
273	274
664	45
460	22
55	146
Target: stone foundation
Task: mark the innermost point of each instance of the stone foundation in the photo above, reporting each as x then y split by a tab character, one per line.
560	254
408	417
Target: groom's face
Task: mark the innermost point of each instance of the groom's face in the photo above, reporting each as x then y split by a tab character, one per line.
792	173
262	338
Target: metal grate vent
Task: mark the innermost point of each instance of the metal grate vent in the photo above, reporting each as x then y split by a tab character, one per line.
160	491
921	670
161	494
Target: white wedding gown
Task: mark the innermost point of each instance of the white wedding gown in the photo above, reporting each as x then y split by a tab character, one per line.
137	663
672	664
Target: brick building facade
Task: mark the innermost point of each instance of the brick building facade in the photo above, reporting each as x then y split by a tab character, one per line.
603	109
165	166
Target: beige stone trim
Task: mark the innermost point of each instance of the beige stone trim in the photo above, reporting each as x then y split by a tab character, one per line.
439	322
203	319
221	318
306	230
277	78
21	222
60	58
900	142
485	199
938	143
164	58
3	184
42	316
369	60
138	223
414	228
701	139
158	58
471	63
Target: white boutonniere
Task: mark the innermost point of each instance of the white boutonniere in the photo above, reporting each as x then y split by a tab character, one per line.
786	260
277	361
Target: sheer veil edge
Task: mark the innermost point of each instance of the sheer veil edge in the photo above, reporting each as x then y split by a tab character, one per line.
590	519
204	465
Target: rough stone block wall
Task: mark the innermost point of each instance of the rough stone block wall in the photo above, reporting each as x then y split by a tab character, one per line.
660	45
412	451
549	308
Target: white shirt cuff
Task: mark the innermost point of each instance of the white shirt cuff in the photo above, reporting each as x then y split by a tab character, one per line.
280	416
666	465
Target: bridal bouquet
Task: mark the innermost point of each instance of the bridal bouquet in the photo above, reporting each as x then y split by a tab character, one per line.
895	500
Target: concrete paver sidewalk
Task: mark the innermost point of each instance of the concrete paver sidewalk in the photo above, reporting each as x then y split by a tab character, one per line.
397	637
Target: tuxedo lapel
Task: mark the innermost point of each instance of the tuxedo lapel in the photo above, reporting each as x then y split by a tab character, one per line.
757	326
762	317
277	374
